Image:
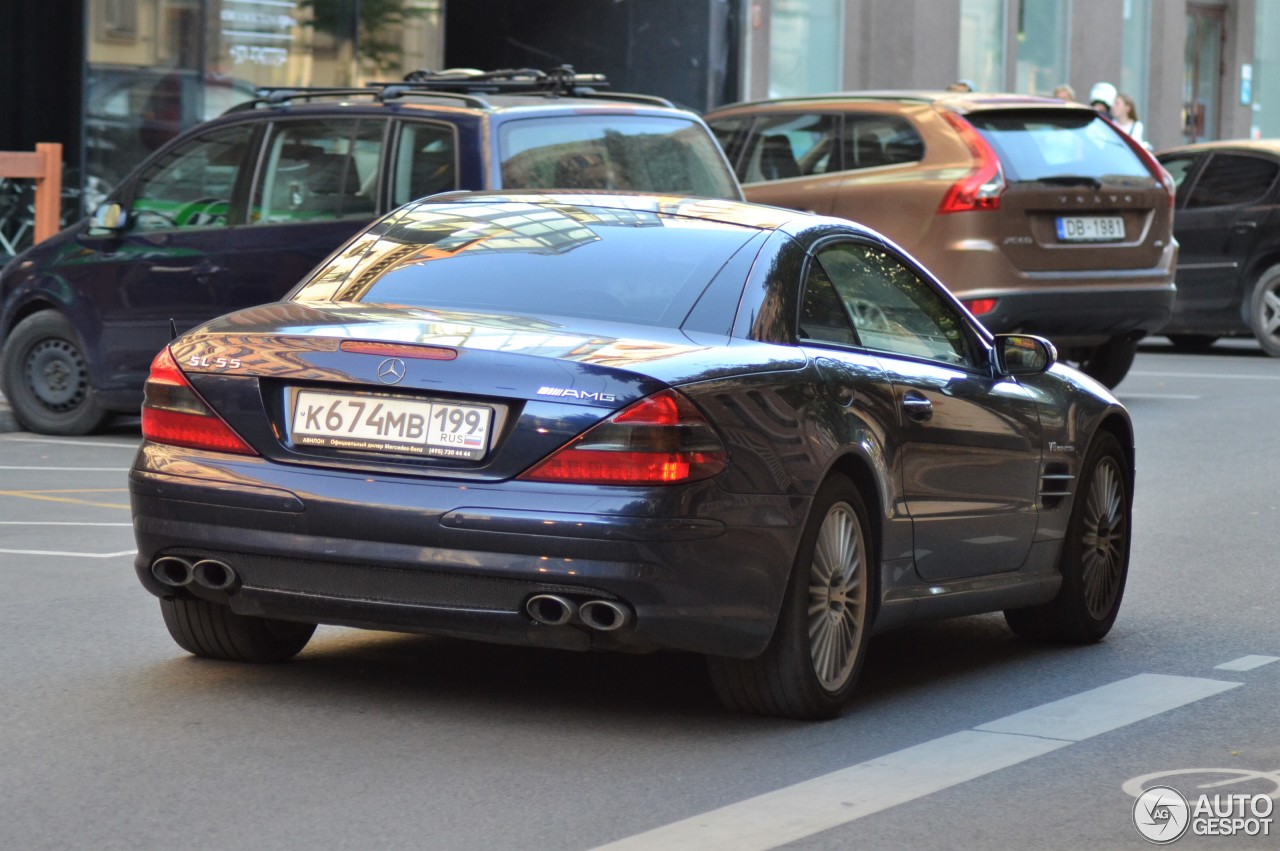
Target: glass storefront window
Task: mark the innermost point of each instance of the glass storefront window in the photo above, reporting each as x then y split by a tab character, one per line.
1043	28
1135	51
158	67
804	47
1266	73
982	36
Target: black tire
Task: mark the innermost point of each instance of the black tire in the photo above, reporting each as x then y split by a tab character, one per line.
1192	342
1095	555
801	675
214	631
45	376
1264	311
1108	363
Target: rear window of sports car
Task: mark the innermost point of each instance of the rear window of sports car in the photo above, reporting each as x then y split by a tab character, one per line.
619	265
1045	144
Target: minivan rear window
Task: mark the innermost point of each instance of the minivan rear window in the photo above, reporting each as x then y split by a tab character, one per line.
641	153
1039	145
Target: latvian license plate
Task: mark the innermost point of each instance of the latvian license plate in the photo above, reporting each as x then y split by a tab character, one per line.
384	424
1090	228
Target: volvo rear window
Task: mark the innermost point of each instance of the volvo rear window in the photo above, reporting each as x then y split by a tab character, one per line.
640	153
512	258
1039	145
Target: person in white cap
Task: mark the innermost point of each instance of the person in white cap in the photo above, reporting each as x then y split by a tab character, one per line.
1102	96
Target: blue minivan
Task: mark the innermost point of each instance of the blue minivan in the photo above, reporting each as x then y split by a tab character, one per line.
237	210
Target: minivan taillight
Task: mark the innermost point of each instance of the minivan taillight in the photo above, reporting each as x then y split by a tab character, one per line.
982	187
174	413
661	440
1159	172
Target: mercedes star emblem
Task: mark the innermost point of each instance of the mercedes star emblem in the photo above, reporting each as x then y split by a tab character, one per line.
391	371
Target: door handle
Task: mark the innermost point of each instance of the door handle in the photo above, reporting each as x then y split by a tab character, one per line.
1241	227
917	407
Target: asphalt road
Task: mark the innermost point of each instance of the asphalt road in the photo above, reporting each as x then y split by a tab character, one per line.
963	736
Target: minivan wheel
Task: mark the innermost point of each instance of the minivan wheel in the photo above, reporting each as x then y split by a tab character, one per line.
1108	363
45	376
1264	311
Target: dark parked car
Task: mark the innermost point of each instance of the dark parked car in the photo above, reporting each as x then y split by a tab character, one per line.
1046	217
1228	223
626	422
238	210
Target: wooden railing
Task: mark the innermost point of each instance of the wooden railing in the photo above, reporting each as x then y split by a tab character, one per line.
45	167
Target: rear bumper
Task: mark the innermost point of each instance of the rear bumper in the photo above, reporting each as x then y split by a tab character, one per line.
1083	313
699	569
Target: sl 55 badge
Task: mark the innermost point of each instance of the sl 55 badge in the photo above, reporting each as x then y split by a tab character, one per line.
207	362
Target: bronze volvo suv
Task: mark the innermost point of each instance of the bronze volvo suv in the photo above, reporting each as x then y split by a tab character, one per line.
1041	216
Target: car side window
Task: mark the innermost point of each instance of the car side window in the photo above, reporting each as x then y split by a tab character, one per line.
1179	167
319	170
791	145
892	308
876	140
426	162
191	185
1232	179
731	133
822	315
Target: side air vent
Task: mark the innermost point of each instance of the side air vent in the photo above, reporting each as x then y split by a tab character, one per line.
1055	485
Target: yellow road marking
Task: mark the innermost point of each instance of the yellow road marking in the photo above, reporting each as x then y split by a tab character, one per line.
44	495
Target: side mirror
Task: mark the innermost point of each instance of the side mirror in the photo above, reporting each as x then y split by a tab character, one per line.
109	219
1022	354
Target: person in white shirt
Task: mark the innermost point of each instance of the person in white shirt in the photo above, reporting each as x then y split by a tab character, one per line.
1124	112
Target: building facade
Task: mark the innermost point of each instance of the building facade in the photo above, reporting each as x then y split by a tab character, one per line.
113	79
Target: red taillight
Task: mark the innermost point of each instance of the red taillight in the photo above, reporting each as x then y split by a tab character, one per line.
982	187
979	306
174	413
660	440
1159	172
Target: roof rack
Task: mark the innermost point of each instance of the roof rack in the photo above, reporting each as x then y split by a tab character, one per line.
468	85
561	81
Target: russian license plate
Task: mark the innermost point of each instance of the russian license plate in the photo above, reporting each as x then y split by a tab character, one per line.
385	424
1090	228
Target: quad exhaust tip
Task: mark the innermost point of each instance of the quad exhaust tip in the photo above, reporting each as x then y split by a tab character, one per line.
604	615
172	571
555	610
208	573
551	609
214	575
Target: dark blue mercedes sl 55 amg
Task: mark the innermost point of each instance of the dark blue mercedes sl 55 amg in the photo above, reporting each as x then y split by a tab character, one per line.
626	422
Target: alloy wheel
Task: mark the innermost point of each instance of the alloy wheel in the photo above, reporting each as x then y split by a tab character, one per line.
1104	529
837	597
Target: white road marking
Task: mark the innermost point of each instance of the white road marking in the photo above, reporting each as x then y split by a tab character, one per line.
1123	396
71	469
56	523
792	813
132	447
1213	375
1246	663
74	555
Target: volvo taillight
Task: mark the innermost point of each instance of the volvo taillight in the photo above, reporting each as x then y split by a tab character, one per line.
982	187
174	413
663	439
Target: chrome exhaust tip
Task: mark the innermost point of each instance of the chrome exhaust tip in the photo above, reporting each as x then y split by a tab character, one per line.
604	615
172	571
214	575
551	609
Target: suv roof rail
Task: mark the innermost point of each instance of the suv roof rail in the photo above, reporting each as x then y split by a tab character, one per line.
468	85
561	81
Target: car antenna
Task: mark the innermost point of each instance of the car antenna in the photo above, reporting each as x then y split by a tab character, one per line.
173	330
